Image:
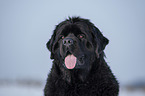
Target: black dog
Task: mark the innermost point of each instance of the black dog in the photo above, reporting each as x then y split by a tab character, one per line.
79	68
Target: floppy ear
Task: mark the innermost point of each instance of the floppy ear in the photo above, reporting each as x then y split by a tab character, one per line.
100	41
50	45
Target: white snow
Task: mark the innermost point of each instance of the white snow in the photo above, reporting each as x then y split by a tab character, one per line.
15	90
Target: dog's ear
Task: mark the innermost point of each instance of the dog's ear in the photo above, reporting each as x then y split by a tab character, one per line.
50	45
100	41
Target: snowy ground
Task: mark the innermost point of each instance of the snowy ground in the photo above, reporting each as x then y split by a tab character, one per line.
21	90
21	87
132	93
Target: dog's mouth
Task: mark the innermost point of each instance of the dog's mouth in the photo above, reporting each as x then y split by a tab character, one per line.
72	61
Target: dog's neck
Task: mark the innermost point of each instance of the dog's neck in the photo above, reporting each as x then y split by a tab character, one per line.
75	75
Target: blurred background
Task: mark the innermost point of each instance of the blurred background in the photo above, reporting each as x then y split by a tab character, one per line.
27	25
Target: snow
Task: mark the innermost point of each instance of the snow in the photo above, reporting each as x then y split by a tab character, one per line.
15	90
132	93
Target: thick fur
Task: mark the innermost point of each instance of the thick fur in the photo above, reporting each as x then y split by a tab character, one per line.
93	77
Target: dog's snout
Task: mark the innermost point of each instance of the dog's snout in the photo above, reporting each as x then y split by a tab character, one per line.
67	41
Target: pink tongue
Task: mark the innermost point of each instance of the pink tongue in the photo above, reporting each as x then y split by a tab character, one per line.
70	61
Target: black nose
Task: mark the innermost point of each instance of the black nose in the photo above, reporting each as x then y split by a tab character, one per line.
67	41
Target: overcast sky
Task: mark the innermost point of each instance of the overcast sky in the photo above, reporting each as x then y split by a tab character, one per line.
26	26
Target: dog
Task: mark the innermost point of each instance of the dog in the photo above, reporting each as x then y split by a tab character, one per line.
79	67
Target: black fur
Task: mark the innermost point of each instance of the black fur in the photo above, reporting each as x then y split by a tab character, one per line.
91	75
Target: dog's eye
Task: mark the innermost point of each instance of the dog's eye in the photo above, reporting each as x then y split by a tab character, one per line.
61	37
81	36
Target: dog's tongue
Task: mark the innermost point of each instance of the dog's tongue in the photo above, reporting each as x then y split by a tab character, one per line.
70	61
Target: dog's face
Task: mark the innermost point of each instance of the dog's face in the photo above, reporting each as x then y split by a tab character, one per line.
76	43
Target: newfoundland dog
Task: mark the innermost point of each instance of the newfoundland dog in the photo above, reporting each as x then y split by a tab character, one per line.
79	67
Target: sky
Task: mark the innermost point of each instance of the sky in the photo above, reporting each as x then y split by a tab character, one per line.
27	25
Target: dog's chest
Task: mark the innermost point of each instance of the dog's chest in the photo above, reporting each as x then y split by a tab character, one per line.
85	89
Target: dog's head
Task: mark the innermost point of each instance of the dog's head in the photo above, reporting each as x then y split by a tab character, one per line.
76	43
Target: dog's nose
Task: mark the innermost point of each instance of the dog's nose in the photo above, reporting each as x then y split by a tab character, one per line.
67	41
